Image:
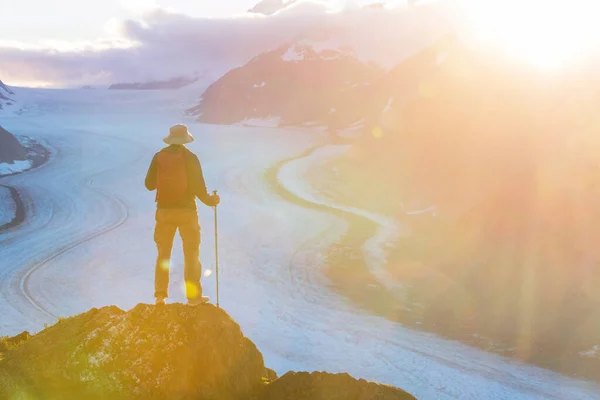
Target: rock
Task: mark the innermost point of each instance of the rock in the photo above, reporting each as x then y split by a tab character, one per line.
10	148
5	91
324	386
11	342
271	375
171	352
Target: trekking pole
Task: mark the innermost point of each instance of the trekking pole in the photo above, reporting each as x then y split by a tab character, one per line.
216	250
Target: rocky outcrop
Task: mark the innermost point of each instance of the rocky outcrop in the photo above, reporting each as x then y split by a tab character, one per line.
10	148
166	352
149	352
5	95
5	89
324	386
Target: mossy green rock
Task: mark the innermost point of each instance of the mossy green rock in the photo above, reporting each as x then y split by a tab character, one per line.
171	352
324	386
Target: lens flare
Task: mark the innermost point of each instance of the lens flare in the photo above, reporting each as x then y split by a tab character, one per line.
377	132
191	290
165	264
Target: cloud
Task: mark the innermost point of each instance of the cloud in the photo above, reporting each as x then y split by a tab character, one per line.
163	44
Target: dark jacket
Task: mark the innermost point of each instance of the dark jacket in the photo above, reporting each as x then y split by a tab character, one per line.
196	183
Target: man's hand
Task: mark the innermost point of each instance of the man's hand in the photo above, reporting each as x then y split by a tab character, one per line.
215	199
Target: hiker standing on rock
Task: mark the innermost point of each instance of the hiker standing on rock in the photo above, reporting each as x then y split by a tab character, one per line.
176	174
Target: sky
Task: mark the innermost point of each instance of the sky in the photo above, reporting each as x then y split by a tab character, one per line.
38	20
59	43
43	21
70	43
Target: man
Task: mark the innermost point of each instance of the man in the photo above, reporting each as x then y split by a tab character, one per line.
176	174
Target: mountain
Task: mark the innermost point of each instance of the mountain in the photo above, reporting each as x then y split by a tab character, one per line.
316	82
323	76
5	92
509	162
161	353
319	83
10	148
174	83
406	82
269	7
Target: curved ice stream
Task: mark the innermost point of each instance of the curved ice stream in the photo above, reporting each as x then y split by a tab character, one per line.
87	242
292	177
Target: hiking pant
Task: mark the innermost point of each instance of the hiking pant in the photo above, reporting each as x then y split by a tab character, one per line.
167	223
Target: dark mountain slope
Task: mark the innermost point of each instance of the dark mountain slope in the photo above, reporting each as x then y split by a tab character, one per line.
10	148
304	82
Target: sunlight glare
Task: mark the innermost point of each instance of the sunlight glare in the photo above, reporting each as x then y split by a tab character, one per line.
545	33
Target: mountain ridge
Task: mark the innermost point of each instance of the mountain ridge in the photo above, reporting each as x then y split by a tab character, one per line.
306	82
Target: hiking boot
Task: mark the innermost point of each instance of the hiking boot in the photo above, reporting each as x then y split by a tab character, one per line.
198	300
160	301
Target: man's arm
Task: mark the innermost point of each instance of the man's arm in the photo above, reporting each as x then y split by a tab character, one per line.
198	183
151	175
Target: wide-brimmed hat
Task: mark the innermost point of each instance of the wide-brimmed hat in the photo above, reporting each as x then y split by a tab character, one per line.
179	134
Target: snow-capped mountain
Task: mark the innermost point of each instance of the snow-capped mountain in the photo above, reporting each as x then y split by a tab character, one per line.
302	83
269	7
10	148
331	75
319	82
6	95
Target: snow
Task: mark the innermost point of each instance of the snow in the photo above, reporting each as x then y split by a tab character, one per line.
87	242
270	122
14	167
353	131
256	85
8	210
292	54
296	52
429	210
319	46
372	36
331	44
388	106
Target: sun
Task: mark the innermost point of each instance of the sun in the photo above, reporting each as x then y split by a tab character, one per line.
545	33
